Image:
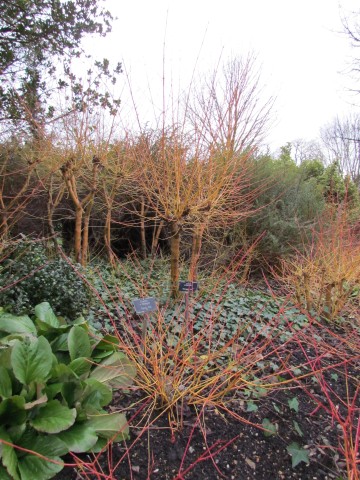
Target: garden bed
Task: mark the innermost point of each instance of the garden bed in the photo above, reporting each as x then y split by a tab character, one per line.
288	432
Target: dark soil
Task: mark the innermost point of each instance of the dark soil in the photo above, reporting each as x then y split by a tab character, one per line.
213	444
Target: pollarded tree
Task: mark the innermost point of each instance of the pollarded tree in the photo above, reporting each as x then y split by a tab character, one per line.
230	114
188	190
84	143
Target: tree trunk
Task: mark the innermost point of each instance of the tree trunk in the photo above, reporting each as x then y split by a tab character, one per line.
107	235
195	251
142	229
175	258
4	226
77	233
51	206
85	234
156	236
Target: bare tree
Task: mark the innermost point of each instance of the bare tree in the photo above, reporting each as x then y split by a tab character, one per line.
303	150
351	26
341	138
230	109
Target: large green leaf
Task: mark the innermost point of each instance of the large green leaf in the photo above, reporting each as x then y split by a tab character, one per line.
8	455
99	446
53	418
35	468
45	313
32	361
108	342
3	474
5	383
72	391
62	373
48	446
110	425
5	358
12	411
10	323
79	343
60	343
16	432
80	366
117	371
95	394
52	390
79	438
105	347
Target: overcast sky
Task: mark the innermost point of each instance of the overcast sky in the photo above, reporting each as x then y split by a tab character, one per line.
298	43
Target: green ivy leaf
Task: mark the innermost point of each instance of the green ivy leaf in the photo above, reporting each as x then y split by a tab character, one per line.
294	404
251	407
298	429
270	428
53	418
79	343
31	361
298	454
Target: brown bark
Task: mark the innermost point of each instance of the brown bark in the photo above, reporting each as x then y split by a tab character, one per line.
82	217
195	251
77	233
85	233
51	206
142	228
156	237
107	234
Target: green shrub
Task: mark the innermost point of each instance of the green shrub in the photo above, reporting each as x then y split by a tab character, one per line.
29	277
288	206
55	380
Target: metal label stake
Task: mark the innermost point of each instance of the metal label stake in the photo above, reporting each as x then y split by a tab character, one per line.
187	287
144	306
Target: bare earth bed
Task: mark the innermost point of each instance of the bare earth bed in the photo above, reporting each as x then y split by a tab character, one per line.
212	444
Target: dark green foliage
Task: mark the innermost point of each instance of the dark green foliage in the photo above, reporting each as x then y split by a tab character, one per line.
33	33
290	204
337	189
45	27
28	277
